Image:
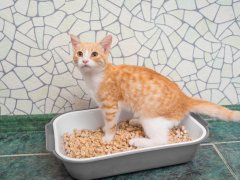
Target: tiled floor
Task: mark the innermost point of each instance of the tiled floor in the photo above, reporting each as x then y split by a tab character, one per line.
23	154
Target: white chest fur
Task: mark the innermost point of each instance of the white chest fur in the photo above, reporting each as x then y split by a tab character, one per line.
93	82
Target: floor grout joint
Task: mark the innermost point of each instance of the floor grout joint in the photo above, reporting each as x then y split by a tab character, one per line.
24	155
224	161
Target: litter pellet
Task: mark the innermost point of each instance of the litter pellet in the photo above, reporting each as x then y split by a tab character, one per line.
88	143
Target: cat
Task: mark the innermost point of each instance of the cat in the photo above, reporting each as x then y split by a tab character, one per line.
158	102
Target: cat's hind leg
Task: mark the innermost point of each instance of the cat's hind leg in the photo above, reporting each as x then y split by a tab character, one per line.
156	131
135	122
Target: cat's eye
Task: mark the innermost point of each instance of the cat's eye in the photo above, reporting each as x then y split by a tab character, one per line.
94	54
79	53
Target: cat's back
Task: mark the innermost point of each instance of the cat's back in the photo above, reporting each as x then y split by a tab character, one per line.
139	73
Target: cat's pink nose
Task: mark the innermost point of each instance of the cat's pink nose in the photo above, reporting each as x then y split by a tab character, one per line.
85	61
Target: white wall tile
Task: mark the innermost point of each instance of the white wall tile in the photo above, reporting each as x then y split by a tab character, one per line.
192	42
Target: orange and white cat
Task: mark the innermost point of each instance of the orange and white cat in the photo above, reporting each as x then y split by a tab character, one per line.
158	102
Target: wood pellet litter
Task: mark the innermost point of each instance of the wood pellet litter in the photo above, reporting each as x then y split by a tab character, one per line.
88	143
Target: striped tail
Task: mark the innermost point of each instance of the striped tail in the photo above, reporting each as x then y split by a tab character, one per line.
213	110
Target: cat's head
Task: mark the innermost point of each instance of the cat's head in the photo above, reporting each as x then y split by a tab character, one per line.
91	57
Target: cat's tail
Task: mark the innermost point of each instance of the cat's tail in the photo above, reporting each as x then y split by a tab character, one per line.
213	110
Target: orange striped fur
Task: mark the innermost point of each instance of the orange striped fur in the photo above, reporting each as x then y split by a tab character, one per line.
151	96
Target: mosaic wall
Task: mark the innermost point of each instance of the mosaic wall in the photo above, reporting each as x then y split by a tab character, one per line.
194	43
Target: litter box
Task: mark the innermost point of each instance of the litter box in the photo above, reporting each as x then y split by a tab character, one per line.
122	162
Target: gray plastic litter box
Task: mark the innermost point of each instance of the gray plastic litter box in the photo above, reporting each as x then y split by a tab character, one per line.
123	162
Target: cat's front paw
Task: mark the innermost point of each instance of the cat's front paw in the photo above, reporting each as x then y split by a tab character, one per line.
145	142
107	138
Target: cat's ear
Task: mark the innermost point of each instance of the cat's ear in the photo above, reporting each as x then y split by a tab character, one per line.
75	41
106	43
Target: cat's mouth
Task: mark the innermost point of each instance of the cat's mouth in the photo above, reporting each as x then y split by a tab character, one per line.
85	66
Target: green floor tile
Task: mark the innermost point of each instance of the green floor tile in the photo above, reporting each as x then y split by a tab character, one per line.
206	165
235	107
222	131
22	142
231	153
33	167
20	123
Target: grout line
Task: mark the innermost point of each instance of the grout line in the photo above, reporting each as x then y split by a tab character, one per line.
206	144
225	162
27	131
23	155
227	142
